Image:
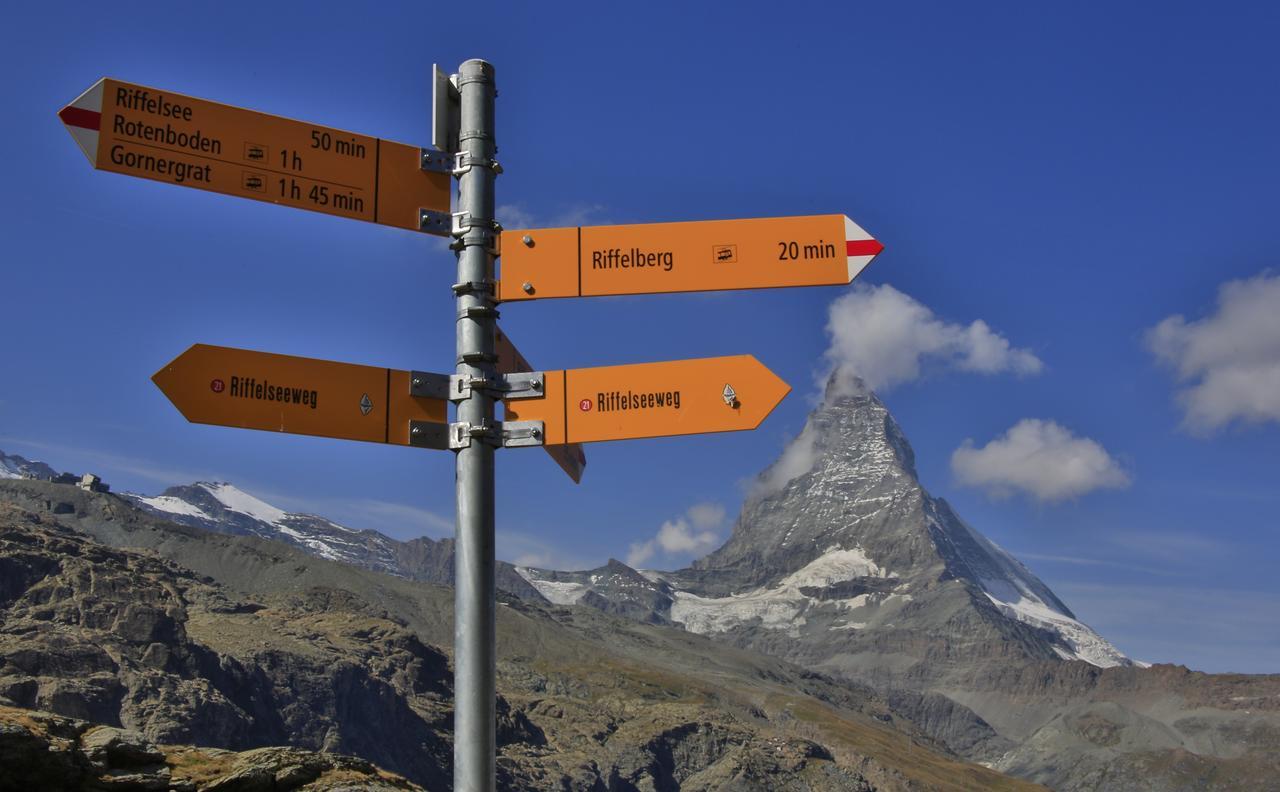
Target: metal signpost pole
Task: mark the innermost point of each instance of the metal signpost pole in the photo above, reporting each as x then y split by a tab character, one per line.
475	653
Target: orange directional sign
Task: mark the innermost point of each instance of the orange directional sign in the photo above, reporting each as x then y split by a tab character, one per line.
724	394
571	458
281	393
683	257
168	137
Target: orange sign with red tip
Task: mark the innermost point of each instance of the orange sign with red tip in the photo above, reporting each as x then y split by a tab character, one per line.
281	393
168	137
680	397
819	250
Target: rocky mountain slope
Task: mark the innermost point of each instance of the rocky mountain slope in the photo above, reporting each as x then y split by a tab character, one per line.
842	563
232	642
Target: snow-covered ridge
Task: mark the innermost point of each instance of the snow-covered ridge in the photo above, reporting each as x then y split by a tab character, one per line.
235	511
557	592
238	500
1080	641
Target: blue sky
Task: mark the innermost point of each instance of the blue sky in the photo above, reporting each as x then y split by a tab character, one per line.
1070	176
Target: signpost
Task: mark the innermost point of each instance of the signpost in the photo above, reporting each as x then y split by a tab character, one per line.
680	397
168	137
280	393
822	250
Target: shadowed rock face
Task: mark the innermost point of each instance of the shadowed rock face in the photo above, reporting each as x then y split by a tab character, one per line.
200	639
106	636
41	751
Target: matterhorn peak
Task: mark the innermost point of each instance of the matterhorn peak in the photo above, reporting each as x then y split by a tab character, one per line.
839	542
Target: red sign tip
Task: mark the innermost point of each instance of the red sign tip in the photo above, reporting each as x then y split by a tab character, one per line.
79	117
863	247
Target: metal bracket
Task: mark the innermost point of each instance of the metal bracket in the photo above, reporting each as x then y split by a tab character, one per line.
461	434
524	385
428	434
446	116
520	434
438	223
429	386
437	161
464	161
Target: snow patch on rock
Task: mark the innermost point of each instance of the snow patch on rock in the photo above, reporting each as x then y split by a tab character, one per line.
834	566
556	592
172	505
782	606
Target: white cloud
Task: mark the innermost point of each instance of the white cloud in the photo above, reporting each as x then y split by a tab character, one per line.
692	534
1041	459
706	515
886	338
1228	362
797	459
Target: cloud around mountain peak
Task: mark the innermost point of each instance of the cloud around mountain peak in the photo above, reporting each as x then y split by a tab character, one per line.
881	338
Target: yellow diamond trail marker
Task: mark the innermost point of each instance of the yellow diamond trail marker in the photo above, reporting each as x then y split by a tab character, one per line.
168	137
281	393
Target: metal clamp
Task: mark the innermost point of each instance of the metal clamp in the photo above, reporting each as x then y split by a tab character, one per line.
437	161
520	434
461	434
464	161
467	231
478	312
461	386
463	222
429	386
485	287
428	434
